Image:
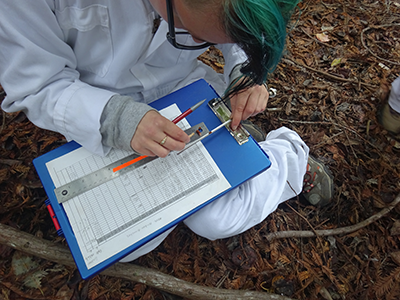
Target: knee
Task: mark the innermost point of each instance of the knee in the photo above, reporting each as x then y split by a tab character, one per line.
210	227
216	223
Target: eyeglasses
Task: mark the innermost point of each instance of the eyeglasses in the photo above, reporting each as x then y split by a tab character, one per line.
172	36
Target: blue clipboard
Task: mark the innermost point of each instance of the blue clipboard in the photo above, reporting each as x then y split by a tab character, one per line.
237	162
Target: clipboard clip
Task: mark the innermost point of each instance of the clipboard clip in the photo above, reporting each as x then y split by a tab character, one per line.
222	111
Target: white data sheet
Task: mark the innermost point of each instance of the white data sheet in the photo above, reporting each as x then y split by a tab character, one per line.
127	209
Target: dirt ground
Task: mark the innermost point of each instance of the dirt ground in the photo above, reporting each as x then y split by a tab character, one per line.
336	72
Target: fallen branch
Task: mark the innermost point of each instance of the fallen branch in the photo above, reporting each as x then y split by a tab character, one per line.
30	244
336	231
369	50
337	78
47	250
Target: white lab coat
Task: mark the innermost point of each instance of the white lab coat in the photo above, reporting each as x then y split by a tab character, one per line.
61	61
251	202
394	97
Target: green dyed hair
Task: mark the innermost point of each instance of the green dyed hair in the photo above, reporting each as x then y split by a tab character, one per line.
259	28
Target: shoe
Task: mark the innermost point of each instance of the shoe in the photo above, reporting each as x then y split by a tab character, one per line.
318	183
390	119
254	130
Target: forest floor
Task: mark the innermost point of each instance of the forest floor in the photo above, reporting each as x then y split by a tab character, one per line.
341	57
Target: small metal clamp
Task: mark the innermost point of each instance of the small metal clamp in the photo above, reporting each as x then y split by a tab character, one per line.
223	113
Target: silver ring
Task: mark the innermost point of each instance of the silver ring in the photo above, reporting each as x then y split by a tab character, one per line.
164	140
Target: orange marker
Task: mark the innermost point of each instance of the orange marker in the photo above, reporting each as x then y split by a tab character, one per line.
128	163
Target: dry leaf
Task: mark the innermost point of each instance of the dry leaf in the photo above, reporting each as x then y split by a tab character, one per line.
34	279
65	293
396	256
336	61
325	294
327	28
395	230
22	264
304	275
283	286
322	37
3	174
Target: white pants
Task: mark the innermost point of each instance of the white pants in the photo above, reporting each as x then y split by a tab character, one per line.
251	202
394	98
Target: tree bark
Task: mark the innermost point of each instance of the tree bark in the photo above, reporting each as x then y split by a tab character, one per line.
336	231
47	250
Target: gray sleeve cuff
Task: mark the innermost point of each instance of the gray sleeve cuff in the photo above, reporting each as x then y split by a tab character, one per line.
119	121
235	73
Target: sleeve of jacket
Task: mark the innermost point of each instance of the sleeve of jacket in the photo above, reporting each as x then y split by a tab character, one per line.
38	73
233	56
394	97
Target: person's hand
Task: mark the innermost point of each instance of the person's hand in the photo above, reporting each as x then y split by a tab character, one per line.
248	103
157	136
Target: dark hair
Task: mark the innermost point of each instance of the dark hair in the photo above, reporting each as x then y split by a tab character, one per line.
259	28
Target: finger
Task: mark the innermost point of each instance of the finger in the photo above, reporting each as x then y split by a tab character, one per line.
152	129
252	104
264	97
176	133
247	102
171	144
262	103
162	146
159	150
155	147
258	100
148	153
238	106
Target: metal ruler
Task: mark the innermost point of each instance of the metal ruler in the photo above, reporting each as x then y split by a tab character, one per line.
107	173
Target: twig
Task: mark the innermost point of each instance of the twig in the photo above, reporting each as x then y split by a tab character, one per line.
309	224
4	122
352	149
305	219
295	211
274	109
337	231
57	253
327	74
331	123
329	137
221	281
369	50
10	162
